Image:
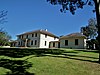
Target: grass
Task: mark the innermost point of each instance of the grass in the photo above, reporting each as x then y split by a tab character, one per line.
49	62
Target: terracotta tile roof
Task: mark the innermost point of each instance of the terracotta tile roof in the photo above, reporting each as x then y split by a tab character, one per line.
39	31
72	35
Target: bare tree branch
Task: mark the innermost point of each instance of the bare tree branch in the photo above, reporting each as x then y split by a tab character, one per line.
3	15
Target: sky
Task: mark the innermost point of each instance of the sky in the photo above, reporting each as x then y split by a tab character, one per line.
29	15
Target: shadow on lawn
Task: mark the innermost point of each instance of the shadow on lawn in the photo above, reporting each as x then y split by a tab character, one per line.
15	52
76	58
87	50
79	56
71	55
22	52
17	67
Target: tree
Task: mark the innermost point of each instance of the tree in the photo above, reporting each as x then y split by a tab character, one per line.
72	5
4	38
91	32
3	16
92	25
91	29
85	31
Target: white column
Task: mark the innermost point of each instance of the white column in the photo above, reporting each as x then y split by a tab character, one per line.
26	42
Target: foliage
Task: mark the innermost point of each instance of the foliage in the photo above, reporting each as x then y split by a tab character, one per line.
91	29
92	44
4	38
71	5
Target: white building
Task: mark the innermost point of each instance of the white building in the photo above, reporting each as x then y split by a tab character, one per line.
37	38
45	39
74	40
54	44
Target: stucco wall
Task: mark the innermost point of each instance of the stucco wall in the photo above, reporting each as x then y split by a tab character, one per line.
56	44
71	43
33	39
40	40
47	39
30	38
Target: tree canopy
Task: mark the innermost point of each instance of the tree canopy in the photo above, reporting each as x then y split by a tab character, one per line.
91	29
71	5
4	38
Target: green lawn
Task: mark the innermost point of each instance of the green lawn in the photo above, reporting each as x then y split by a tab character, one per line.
48	62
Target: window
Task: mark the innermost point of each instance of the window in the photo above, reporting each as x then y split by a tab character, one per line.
19	37
32	42
35	42
54	38
76	41
26	36
21	43
45	35
18	43
32	35
45	43
35	34
66	42
53	44
22	36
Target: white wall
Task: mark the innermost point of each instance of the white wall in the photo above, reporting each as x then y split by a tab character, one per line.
40	40
29	40
48	39
71	43
56	44
34	38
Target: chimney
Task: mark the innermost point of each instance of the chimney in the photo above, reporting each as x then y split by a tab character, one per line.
45	29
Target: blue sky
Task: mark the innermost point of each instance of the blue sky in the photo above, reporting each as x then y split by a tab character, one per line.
29	15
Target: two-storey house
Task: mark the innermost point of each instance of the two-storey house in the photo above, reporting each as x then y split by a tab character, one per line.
38	38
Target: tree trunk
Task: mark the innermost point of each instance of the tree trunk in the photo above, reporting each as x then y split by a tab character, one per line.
97	7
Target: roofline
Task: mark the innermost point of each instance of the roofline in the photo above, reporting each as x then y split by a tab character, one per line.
39	31
73	37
